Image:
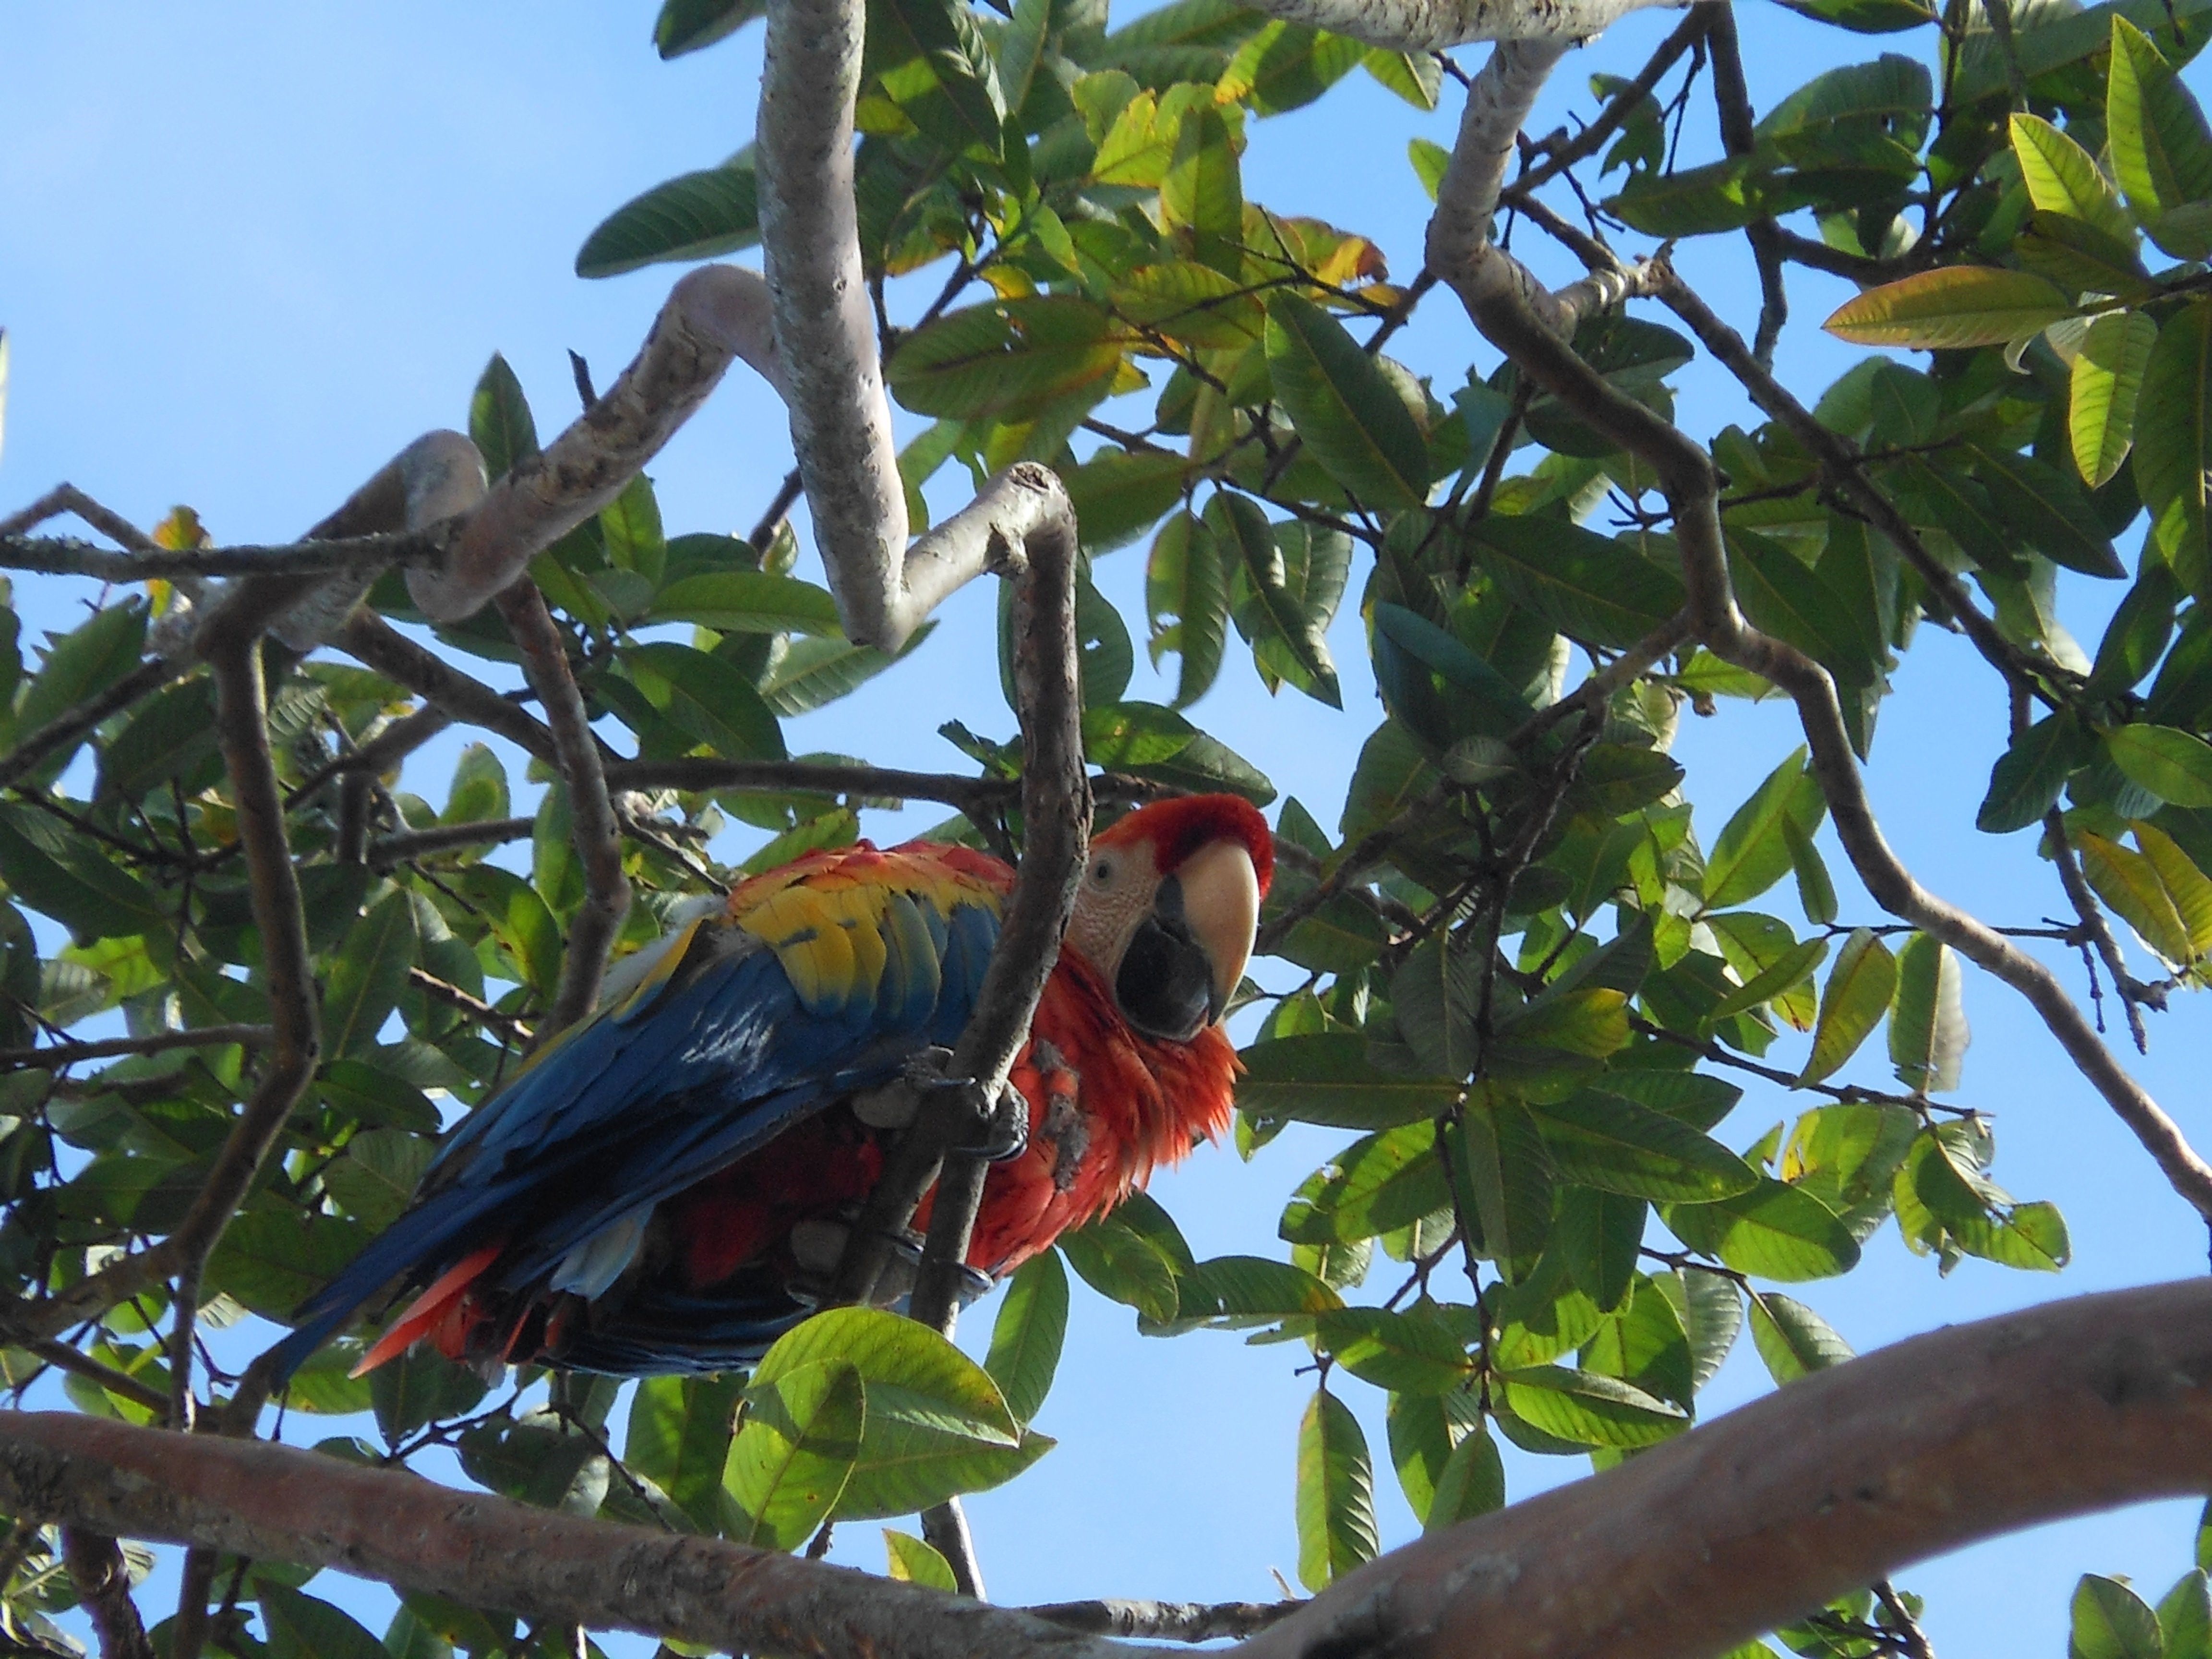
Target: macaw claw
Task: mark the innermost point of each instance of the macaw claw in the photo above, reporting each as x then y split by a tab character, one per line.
1001	1130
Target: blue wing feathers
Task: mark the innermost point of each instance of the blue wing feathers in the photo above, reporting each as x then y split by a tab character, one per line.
624	1113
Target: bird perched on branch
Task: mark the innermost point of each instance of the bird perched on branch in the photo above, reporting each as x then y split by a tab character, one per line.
670	1185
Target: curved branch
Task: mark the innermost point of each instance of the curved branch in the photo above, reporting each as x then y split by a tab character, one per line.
1824	1486
715	313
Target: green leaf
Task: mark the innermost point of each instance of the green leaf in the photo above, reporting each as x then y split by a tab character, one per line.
1239	526
1007	360
2173	443
1423	1432
1336	1505
2106	381
2185	1617
790	1461
1953	307
1497	1153
500	422
422	1387
306	1627
1928	1033
1233	1292
1026	1339
1853	1003
1473	1482
2025	782
2174	765
1607	1141
2064	177
376	1179
749	602
62	872
1711	1311
1585	585
2161	150
1346	412
2110	1620
1125	1266
369	975
1788	971
685	25
679	1439
519	920
1412	1353
707	697
911	1561
1201	192
2047	510
1589	1409
1753	852
935	1426
1378	1183
1816	893
1773	1230
694	216
82	664
1325	1078
1793	1340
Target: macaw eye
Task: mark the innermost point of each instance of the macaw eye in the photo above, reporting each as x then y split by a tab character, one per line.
1102	872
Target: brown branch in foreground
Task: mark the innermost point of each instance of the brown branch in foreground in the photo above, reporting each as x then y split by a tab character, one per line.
58	1055
276	1503
592	814
102	1581
1822	1487
1166	1621
1693	1546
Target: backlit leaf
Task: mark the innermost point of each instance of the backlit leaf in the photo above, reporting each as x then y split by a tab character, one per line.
1954	305
2105	381
1344	409
1335	1506
1852	1002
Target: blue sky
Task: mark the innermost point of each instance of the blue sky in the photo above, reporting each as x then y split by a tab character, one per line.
254	250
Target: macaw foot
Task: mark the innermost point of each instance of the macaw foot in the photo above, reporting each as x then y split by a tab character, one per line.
818	1247
1000	1130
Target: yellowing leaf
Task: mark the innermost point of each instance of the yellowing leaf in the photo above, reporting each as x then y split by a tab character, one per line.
1957	306
2129	883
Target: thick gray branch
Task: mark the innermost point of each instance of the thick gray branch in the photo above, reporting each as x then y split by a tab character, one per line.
713	314
1433	25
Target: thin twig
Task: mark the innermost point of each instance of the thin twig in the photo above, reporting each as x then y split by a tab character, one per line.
591	815
68	498
1561	153
64	556
64	1357
779	510
511	1029
58	1055
388	850
1738	139
2133	993
376	642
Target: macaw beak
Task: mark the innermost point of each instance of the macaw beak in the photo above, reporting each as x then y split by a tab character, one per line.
1186	957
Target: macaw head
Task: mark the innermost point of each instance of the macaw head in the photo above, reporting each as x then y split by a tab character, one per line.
1168	909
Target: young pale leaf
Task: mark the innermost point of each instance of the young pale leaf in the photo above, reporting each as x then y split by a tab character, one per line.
912	1561
2064	177
1853	1003
1793	1340
2107	379
2110	1621
1344	408
2184	883
1335	1504
1953	307
1026	1339
1928	1033
790	1461
2160	148
2173	442
1753	854
2130	883
2174	765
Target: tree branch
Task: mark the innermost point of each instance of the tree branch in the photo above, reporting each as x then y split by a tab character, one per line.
1739	137
66	555
58	1055
376	642
102	1580
1434	25
1730	1529
1691	487
1562	152
1165	1622
274	1502
592	814
388	850
1822	1487
715	313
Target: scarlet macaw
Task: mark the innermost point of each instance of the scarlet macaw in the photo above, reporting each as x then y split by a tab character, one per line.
664	1184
